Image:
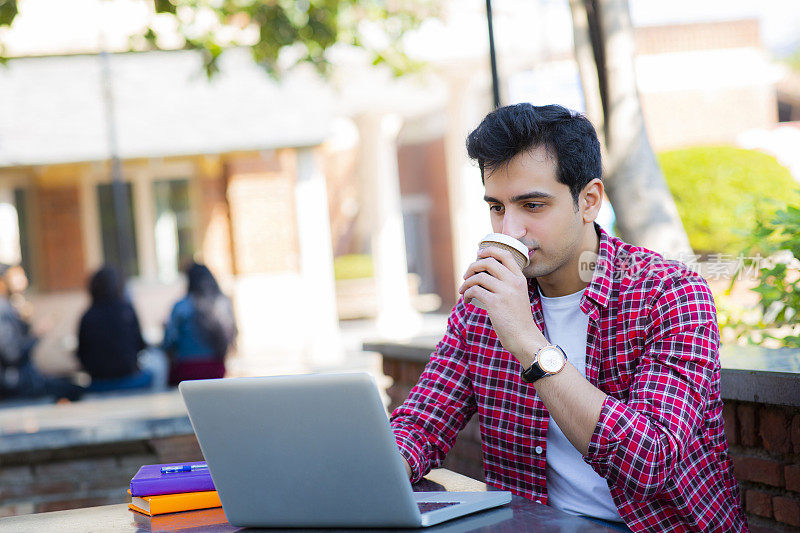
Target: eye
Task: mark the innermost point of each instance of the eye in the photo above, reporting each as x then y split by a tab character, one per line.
496	208
533	205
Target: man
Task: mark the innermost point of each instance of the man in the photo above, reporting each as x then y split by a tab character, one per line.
595	370
19	377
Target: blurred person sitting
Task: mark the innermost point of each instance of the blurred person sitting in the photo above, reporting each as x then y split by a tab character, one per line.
19	377
110	343
200	330
16	281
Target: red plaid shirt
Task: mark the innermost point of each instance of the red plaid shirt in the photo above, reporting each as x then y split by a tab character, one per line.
652	347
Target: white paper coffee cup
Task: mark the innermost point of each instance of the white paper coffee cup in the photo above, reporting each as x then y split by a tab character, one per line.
500	240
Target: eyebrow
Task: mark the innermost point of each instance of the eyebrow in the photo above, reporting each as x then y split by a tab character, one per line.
533	195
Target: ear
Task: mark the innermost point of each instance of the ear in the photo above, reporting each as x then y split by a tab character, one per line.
590	200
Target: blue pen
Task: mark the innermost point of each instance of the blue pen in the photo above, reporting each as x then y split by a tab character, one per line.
182	468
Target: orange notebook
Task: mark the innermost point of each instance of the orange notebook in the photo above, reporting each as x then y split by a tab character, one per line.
173	503
198	520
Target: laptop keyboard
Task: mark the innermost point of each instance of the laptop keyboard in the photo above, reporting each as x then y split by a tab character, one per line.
425	507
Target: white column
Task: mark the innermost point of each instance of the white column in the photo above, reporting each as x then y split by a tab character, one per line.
321	335
10	252
144	220
396	316
469	214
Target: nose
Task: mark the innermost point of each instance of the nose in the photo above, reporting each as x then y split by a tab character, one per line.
512	225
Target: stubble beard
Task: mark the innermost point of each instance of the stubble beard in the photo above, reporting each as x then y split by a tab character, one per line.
541	265
538	270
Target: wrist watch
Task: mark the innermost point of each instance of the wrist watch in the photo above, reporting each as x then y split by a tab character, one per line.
549	360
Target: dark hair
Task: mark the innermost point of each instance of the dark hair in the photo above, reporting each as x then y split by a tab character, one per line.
213	310
105	286
568	135
201	281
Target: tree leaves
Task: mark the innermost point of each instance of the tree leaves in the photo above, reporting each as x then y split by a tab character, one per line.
779	281
165	6
311	26
721	191
8	10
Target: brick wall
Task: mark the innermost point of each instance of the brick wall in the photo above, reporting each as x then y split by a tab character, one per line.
698	36
262	212
60	240
68	478
215	228
465	456
342	183
765	446
764	441
423	171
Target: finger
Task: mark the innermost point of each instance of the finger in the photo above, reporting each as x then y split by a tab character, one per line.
479	293
503	256
488	264
481	279
479	265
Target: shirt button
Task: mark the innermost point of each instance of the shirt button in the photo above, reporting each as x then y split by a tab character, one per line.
538	450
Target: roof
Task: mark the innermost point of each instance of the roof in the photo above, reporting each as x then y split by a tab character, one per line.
52	109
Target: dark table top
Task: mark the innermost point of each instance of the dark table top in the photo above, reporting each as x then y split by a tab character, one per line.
519	515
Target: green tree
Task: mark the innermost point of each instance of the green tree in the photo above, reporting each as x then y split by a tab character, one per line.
310	27
721	192
8	10
774	250
793	60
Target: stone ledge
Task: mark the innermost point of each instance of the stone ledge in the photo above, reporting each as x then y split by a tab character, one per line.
761	386
417	349
92	423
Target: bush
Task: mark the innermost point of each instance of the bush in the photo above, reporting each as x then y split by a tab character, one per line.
720	191
777	318
352	266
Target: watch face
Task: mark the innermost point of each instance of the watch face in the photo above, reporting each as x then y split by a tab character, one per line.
551	360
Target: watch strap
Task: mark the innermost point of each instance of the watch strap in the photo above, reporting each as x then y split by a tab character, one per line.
535	371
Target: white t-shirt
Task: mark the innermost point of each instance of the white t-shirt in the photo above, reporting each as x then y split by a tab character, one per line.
572	485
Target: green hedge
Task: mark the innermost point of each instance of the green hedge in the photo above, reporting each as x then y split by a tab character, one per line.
720	190
352	266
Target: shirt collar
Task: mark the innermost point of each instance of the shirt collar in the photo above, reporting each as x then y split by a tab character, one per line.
598	292
599	289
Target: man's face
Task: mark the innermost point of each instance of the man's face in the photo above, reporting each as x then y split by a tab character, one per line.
527	202
17	280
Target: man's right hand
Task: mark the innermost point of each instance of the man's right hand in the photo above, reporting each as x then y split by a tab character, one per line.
408	467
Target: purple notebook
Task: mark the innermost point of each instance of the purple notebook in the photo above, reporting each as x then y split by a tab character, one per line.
149	480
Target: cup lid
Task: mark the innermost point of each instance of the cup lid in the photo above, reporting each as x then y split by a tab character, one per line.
508	241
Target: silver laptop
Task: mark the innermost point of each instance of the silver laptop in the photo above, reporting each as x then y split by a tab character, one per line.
312	451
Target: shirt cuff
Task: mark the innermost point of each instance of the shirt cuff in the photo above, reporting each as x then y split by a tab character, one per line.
410	451
613	424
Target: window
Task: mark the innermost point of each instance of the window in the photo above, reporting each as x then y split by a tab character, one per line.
173	227
418	243
109	230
